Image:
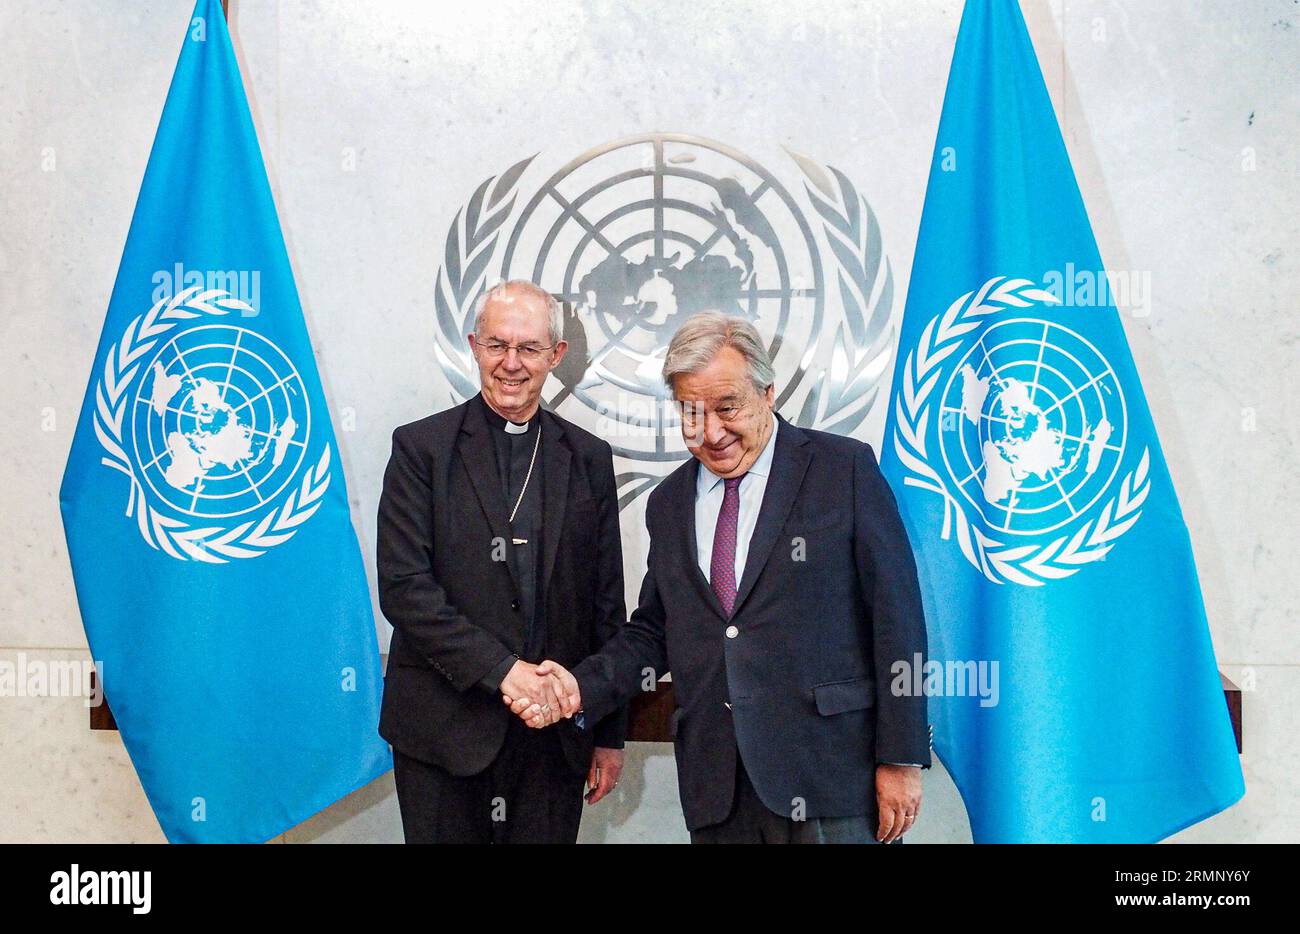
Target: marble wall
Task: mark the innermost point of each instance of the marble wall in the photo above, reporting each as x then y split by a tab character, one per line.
377	120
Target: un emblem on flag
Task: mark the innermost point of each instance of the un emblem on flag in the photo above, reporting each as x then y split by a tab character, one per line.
1020	424
221	421
211	422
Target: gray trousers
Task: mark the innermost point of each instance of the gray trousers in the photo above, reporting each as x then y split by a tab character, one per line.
751	821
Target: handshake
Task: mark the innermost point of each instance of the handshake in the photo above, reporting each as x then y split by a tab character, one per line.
540	694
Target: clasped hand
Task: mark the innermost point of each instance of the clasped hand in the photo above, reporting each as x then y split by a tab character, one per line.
540	694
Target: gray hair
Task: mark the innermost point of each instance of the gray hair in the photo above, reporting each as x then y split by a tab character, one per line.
553	309
698	341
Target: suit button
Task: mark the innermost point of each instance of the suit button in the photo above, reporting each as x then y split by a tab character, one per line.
732	632
514	604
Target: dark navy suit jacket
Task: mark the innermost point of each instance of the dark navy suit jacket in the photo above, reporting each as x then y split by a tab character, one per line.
798	678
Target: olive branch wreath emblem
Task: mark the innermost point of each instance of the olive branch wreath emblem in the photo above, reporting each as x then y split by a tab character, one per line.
175	537
998	561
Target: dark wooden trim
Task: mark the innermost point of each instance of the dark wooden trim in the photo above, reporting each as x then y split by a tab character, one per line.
650	714
101	717
1232	694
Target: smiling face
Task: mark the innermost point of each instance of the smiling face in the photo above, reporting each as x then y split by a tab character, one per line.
512	379
725	421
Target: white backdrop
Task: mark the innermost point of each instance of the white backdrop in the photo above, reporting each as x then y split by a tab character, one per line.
379	120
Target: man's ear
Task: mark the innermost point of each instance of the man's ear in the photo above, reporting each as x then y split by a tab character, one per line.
560	349
770	395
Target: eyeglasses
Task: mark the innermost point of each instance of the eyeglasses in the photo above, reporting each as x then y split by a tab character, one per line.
693	413
527	352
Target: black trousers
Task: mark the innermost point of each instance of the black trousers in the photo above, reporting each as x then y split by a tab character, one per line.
751	821
529	794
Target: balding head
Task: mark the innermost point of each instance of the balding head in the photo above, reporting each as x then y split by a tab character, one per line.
517	290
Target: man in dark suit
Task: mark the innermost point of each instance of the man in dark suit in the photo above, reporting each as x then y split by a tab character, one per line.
781	593
498	546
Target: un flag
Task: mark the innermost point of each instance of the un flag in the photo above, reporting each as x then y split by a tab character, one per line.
217	571
1073	685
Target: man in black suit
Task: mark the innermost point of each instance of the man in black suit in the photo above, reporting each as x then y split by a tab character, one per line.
498	546
781	592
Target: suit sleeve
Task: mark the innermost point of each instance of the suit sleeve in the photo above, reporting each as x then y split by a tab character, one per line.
887	576
409	595
610	604
613	676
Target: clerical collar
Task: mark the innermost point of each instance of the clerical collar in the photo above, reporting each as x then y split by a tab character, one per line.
496	420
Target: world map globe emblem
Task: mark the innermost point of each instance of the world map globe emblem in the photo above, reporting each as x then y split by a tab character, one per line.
638	235
1032	426
220	422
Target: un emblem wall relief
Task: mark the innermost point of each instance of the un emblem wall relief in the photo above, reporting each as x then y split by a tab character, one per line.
636	236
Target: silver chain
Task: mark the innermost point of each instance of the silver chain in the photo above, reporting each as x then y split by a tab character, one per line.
536	444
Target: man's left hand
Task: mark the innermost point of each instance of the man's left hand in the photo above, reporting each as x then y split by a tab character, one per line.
898	799
602	778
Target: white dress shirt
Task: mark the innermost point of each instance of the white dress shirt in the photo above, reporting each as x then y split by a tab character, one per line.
709	490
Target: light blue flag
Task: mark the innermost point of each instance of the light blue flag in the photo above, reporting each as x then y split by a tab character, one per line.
217	570
1058	579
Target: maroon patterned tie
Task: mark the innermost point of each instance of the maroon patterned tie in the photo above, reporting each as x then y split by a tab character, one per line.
722	566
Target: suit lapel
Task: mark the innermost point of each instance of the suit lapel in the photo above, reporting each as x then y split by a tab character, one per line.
555	457
789	463
481	464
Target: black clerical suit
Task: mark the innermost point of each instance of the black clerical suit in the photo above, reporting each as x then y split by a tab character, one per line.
468	592
791	691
